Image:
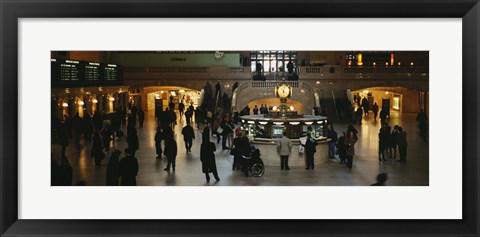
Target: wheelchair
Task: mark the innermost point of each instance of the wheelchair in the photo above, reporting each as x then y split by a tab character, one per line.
253	164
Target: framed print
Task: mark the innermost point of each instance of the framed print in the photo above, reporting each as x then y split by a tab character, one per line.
100	50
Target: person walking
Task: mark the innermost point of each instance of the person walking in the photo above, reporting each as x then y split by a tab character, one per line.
132	139
141	117
350	141
188	136
170	150
129	168
284	147
375	111
207	157
310	149
113	169
158	142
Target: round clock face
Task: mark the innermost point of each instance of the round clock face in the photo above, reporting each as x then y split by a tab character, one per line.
283	91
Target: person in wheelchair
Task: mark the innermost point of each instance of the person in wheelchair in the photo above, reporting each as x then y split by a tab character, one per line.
253	163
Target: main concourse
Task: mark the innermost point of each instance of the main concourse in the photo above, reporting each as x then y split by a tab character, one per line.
414	172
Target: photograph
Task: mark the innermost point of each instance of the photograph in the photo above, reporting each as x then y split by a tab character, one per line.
240	118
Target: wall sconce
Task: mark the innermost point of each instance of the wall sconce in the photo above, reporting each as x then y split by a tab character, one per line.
94	101
111	98
65	104
81	102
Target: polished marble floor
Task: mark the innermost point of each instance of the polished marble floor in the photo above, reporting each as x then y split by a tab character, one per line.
415	172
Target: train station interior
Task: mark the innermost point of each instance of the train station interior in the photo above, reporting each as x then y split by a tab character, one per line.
264	95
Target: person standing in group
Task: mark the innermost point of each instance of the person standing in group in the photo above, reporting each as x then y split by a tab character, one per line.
188	136
170	150
97	148
141	117
207	157
402	144
342	149
129	168
332	135
284	147
310	149
350	141
383	139
227	133
113	169
158	142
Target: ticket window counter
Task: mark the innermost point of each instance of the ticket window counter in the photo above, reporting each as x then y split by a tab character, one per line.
293	131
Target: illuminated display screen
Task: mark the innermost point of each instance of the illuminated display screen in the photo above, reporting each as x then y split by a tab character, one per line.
72	71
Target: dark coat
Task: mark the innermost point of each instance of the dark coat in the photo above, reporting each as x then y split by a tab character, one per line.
188	133
97	147
129	171
113	170
170	147
207	156
310	147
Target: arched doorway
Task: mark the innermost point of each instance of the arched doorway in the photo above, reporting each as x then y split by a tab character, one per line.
161	95
397	99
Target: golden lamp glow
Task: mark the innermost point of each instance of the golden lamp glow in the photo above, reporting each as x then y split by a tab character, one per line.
112	99
411	63
65	104
359	62
392	58
94	101
374	63
81	102
349	62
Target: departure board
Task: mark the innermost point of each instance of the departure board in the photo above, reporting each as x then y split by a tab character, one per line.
92	73
111	73
69	72
81	72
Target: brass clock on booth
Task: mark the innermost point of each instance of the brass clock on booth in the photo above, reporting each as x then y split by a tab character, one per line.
283	91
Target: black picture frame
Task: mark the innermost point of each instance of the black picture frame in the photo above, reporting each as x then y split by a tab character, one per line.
12	10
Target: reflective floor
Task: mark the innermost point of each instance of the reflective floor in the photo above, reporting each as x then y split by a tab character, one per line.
414	172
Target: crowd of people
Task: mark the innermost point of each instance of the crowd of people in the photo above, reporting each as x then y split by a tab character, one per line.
101	131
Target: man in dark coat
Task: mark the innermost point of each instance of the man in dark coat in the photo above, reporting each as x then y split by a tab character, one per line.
170	150
158	142
113	169
207	156
188	136
129	168
310	149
